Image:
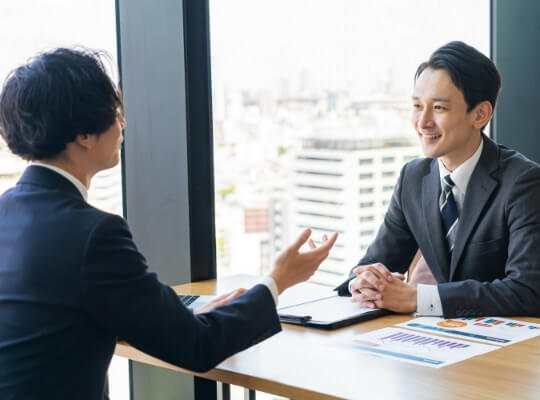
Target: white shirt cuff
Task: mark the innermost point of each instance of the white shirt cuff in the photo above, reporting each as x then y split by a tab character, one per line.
428	301
271	285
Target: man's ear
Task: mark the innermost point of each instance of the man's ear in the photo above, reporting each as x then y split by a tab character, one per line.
85	140
482	113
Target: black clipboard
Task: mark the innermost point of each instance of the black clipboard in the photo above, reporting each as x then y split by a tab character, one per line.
328	313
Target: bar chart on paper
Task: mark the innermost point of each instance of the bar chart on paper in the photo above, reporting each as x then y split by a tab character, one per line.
494	330
416	348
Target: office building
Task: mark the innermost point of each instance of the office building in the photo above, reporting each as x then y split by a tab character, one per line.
345	185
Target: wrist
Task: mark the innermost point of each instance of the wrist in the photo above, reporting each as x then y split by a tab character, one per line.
280	285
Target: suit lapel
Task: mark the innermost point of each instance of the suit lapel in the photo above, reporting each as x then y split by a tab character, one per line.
433	224
479	190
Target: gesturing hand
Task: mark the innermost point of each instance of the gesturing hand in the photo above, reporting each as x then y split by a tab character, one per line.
292	267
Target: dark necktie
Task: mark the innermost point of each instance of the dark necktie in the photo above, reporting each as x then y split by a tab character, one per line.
449	212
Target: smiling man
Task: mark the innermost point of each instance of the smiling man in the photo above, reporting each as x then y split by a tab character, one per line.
471	206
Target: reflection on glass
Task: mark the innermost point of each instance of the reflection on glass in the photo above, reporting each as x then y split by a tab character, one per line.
311	112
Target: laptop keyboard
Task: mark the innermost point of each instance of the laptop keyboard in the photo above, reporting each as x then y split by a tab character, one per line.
187	299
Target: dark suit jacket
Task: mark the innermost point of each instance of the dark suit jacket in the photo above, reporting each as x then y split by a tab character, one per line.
72	281
494	268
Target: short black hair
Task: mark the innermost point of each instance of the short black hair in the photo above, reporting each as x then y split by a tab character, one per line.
54	97
474	74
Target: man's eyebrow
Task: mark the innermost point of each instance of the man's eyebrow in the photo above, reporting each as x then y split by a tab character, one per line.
439	99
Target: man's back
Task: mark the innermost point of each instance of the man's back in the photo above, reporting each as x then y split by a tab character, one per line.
43	329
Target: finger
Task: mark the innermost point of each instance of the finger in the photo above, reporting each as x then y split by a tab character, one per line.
399	276
356	298
370	304
369	280
329	242
312	244
325	237
301	240
358	270
228	297
377	268
371	277
385	272
370	295
356	285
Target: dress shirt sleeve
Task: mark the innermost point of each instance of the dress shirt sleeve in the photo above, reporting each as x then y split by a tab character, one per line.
271	285
428	301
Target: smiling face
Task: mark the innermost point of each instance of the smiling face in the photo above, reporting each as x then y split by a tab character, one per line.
441	120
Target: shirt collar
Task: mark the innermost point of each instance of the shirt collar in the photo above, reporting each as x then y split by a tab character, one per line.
462	174
77	183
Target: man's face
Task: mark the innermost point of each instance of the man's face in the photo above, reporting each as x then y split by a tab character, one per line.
441	120
108	144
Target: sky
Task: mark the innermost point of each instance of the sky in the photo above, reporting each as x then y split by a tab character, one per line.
256	43
337	43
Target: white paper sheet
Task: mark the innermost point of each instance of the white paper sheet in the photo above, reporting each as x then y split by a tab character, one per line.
493	330
415	348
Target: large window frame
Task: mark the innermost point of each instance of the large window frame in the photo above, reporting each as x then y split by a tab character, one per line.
178	235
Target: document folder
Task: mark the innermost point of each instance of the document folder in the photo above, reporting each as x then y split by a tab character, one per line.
330	312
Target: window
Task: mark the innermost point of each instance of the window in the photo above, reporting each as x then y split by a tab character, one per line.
365	176
367	218
320	173
294	91
34	26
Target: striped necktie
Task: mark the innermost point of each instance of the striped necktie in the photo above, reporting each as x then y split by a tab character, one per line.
449	212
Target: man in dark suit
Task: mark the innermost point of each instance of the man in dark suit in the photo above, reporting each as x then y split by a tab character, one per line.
471	206
71	277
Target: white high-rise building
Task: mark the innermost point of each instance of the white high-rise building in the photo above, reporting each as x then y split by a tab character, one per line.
344	186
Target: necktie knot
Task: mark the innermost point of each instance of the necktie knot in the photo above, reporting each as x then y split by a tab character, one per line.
448	182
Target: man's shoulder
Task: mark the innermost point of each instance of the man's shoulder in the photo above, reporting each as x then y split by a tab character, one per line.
512	164
417	168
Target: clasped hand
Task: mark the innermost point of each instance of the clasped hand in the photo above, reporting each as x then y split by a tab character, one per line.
377	287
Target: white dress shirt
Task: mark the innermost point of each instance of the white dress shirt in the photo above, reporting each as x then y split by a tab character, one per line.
428	300
77	183
266	281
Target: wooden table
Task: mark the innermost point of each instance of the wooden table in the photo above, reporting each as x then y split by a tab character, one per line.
301	363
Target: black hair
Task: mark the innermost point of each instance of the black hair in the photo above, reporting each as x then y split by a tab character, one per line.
474	74
54	97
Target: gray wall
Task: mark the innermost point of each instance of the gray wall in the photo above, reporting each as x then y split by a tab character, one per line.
151	53
516	51
155	169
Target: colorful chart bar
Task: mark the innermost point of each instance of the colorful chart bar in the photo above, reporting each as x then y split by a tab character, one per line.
455	332
423	341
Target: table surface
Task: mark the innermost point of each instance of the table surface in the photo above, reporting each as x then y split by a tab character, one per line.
302	363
